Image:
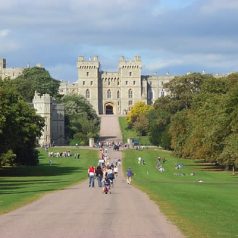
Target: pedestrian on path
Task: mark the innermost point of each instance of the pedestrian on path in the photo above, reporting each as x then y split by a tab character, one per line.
91	175
99	175
129	174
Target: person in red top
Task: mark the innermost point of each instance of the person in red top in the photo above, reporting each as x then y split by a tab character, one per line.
91	176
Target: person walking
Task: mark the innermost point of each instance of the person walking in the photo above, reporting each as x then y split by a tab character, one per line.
99	175
129	174
91	174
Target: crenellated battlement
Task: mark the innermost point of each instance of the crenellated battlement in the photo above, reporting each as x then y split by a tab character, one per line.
91	63
130	64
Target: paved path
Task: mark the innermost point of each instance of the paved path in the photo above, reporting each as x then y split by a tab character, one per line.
80	211
110	128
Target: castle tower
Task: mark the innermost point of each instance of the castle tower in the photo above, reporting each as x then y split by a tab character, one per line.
53	113
2	68
88	80
130	75
42	104
3	63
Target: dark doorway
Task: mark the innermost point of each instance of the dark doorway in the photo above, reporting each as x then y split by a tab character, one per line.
109	109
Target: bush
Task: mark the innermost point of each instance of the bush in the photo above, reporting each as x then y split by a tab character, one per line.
7	159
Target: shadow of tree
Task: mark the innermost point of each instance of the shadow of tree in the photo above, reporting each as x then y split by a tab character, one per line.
42	170
19	180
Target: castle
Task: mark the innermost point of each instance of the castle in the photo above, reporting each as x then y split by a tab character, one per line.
53	113
11	73
115	92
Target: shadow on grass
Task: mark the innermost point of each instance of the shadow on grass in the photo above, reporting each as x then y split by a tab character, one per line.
25	180
42	170
207	167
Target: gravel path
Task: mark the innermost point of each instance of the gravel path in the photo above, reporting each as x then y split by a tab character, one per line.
80	211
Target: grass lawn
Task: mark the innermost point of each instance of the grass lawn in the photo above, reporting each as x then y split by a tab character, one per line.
131	133
204	205
21	185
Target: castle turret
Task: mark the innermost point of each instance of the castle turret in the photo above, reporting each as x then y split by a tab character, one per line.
42	104
53	113
130	75
2	68
88	79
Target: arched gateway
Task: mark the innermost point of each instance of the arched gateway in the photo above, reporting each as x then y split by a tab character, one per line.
109	108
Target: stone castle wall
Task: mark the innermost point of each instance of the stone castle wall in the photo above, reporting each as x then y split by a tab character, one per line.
11	73
53	113
115	92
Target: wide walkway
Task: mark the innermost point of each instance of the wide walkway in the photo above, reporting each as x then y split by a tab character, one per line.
80	211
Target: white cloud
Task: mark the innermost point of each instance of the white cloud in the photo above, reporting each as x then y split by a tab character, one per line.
184	33
163	63
4	32
213	6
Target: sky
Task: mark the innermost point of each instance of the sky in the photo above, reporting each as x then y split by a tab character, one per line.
171	36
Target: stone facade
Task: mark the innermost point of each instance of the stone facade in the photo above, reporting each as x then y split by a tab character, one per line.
53	113
11	73
115	92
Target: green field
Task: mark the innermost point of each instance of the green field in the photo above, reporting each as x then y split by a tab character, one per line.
130	133
203	205
21	185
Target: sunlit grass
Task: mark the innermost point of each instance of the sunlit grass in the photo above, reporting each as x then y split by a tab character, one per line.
204	205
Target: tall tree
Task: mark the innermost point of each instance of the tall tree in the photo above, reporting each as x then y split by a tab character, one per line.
138	109
19	129
35	79
82	121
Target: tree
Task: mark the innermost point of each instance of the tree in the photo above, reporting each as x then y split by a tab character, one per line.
138	109
19	129
82	121
141	125
35	79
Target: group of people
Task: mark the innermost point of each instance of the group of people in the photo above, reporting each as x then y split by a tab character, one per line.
106	171
104	175
59	154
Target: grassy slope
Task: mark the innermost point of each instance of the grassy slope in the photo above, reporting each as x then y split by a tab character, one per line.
130	133
200	209
22	185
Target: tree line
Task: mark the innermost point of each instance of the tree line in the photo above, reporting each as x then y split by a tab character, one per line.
198	119
20	126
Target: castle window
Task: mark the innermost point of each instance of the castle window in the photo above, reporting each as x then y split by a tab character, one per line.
130	103
118	83
87	94
109	82
130	94
91	83
126	82
134	82
118	94
83	82
109	94
130	73
87	73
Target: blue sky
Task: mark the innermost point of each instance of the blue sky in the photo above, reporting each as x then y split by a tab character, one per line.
175	36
